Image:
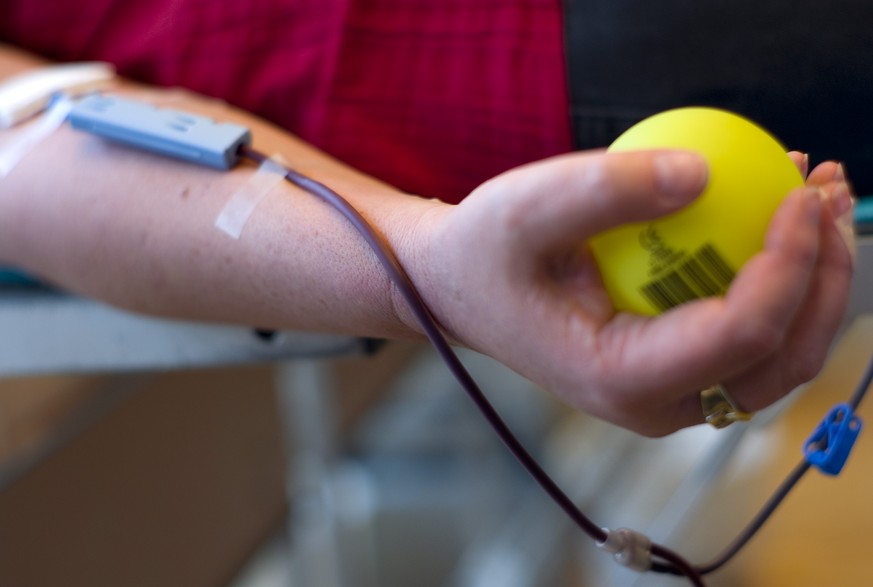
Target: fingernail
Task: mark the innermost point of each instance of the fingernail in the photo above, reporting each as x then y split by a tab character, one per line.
840	174
680	175
804	165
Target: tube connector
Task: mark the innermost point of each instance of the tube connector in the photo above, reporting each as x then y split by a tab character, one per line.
629	548
831	443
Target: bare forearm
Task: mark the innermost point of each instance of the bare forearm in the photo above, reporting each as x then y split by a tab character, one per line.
137	230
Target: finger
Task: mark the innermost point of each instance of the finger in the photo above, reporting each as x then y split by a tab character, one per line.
574	197
817	322
708	341
832	176
842	204
825	173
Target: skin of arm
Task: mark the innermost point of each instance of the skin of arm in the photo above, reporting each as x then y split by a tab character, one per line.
136	230
507	272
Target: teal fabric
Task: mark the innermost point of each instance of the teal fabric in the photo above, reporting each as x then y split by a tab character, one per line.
13	277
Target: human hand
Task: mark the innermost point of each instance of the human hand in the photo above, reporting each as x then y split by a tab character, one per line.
508	273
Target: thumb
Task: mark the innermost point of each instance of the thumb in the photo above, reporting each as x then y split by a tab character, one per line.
577	196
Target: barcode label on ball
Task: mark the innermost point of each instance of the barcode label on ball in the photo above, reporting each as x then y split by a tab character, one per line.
704	274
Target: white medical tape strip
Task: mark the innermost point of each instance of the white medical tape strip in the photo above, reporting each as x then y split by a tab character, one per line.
236	212
18	147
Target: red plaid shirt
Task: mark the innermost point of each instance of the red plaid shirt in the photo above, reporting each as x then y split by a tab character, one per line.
433	96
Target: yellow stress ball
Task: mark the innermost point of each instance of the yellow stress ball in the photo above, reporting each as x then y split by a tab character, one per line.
651	267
